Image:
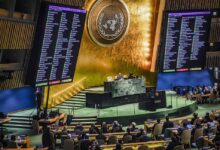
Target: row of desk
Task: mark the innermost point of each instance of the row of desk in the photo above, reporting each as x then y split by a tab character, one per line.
151	145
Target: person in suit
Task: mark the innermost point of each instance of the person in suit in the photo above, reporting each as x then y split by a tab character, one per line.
84	142
101	136
79	129
12	143
142	136
48	138
93	129
175	142
216	140
167	124
133	127
116	127
39	99
104	128
207	131
195	117
180	130
207	118
2	140
140	133
198	126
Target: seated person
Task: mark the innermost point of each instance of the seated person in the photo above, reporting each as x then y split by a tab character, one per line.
140	133
109	79
213	114
12	143
195	117
175	142
84	142
207	131
181	129
167	124
119	77
142	136
197	126
93	129
2	140
116	127
131	76
78	129
158	122
127	138
133	127
216	140
101	136
118	146
207	118
104	128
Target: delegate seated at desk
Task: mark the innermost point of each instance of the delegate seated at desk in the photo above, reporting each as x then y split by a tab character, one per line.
119	77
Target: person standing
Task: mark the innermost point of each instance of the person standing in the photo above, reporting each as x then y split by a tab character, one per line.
39	98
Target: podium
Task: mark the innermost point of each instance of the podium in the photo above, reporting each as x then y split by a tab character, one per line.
125	87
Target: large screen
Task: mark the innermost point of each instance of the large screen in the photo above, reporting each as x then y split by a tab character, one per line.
167	81
184	40
12	100
56	44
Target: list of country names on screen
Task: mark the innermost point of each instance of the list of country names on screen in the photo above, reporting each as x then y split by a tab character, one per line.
186	38
62	35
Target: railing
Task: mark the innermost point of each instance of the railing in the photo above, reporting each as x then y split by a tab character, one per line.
173	101
66	93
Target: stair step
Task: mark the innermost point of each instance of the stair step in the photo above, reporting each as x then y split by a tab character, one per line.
74	102
77	99
79	96
88	117
66	107
83	123
19	122
18	116
17	126
84	91
72	105
84	119
21	119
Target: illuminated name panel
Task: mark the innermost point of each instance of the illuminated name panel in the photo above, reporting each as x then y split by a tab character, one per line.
185	41
58	46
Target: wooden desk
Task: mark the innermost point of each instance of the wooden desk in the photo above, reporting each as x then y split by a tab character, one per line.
151	145
50	121
178	120
119	135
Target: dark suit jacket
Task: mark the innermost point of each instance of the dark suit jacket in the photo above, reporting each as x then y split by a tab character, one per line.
48	141
167	124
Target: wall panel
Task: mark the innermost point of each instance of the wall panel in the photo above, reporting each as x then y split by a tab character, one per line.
19	35
15	35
